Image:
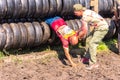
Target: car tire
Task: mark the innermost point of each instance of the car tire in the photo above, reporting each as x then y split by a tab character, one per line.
31	34
24	35
3	37
46	32
38	33
16	35
9	34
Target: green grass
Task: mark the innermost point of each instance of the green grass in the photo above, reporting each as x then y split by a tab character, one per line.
102	47
107	45
1	54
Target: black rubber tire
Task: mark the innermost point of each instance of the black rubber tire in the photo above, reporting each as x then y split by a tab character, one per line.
9	34
76	1
110	4
74	24
24	35
31	8
46	32
100	5
31	34
65	7
59	6
45	8
105	5
16	35
52	8
119	43
70	8
23	20
87	4
3	21
38	33
3	37
10	8
79	23
39	5
108	34
17	9
24	8
3	8
10	20
69	24
82	2
112	29
52	37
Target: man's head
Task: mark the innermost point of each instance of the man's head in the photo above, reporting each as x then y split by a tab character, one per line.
78	9
73	39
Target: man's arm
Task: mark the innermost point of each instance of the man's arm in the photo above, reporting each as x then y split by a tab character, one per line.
83	31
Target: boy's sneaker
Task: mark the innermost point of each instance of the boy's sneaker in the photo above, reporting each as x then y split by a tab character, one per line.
85	60
92	66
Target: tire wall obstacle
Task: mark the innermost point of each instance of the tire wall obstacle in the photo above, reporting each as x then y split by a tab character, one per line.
117	6
22	21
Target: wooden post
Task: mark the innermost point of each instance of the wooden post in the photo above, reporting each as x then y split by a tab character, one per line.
94	3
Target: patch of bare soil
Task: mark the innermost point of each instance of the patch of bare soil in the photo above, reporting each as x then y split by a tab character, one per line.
55	68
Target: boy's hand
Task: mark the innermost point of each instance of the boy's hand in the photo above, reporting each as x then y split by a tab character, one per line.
74	65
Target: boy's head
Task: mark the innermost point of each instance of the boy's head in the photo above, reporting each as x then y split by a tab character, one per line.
73	39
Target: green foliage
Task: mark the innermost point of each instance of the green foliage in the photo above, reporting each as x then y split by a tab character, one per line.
17	60
102	47
106	45
1	54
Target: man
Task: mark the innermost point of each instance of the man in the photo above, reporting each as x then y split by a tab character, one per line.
97	29
65	33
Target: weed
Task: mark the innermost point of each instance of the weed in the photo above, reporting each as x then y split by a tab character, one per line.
1	54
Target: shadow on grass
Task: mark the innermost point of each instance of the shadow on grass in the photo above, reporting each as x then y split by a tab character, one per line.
26	50
75	51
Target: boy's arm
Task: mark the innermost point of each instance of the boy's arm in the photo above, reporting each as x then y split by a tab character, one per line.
67	54
65	44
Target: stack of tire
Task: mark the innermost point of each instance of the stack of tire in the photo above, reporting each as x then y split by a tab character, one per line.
112	28
19	27
118	25
20	35
29	34
16	9
106	7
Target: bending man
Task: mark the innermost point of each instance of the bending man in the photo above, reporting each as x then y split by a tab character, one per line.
97	29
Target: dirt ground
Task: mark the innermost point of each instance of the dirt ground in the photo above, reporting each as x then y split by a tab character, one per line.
34	67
